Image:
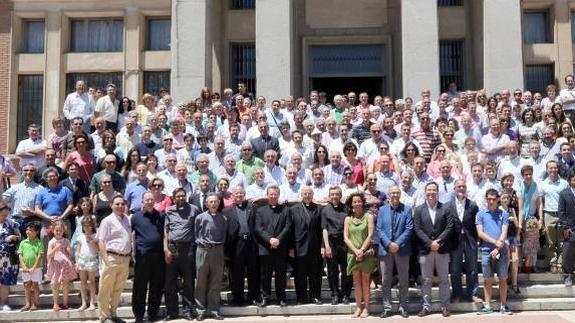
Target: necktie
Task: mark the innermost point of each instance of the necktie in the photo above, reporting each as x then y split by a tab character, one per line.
203	201
393	214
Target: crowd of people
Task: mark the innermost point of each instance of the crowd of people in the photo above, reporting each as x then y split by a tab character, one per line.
376	192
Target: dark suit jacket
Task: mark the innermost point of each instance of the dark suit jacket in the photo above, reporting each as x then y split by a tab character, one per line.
230	213
564	166
427	231
80	191
468	223
195	201
260	145
272	223
306	229
567	211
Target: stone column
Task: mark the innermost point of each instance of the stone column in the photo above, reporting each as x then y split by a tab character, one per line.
419	48
133	54
564	62
191	47
502	45
274	48
54	83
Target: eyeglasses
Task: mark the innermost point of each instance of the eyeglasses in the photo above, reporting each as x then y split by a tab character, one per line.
27	170
78	124
375	131
168	139
110	162
440	150
247	149
157	185
81	142
448	135
383	147
372	179
348	173
107	182
171	161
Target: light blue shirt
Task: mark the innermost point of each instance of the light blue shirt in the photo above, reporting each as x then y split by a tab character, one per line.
550	190
21	196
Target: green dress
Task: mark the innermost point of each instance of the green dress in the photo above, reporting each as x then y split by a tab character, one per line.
357	233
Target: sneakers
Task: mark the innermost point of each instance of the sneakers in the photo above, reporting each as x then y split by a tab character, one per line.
485	310
569	281
505	310
6	308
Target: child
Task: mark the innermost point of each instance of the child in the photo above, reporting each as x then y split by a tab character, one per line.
514	239
31	251
531	244
84	209
87	261
60	267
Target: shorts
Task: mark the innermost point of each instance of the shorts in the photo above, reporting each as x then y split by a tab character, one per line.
490	266
35	276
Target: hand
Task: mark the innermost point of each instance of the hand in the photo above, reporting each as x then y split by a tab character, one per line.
434	245
567	233
494	253
359	254
328	253
11	238
27	212
274	242
53	219
519	227
393	247
541	227
499	244
168	256
291	253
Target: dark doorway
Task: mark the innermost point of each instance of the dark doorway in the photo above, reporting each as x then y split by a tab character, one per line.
342	85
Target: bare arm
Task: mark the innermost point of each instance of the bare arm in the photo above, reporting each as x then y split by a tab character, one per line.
367	241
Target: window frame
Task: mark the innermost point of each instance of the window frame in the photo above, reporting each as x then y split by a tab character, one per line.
72	47
149	20
547	24
24	48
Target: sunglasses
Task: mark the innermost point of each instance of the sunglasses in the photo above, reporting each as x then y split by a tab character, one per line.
157	185
110	162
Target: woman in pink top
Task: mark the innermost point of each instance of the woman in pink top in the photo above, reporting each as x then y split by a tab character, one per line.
226	196
161	200
85	160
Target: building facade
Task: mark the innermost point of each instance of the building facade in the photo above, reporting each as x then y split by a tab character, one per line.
278	47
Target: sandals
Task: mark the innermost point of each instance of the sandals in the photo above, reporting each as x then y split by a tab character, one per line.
33	308
56	308
25	308
515	289
357	312
364	313
92	307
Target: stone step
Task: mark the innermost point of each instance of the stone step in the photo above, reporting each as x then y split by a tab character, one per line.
125	312
529	291
537	278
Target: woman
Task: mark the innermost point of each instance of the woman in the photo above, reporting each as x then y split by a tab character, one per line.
85	160
506	129
146	108
481	101
531	203
320	157
373	197
551	98
349	186
285	140
161	200
9	237
129	169
407	156
205	98
357	234
58	138
558	113
434	166
109	147
222	186
126	105
152	163
356	165
492	105
514	228
566	130
527	131
102	201
449	142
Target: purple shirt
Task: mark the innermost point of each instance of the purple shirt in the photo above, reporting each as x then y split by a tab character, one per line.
115	232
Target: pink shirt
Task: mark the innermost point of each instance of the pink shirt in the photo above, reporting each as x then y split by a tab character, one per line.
115	232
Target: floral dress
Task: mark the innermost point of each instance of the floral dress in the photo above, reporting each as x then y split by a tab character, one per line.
8	255
60	267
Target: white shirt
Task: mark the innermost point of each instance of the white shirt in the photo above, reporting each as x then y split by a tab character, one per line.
289	192
320	193
255	191
78	105
460	206
567	94
368	149
28	144
171	181
275	175
432	212
107	109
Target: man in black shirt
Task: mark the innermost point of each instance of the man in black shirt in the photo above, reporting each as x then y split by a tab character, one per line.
148	227
241	248
306	221
332	219
272	227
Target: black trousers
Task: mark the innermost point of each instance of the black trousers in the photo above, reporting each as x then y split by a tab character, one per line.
308	273
337	265
183	265
568	257
274	263
149	272
244	264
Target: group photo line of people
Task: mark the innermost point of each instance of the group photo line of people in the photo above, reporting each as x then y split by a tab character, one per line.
229	191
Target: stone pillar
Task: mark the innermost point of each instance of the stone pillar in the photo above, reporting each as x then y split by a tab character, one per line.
564	62
5	74
274	48
54	83
133	54
419	48
191	47
502	45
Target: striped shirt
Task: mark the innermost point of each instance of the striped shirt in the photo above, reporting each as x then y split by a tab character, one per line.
333	176
428	140
21	196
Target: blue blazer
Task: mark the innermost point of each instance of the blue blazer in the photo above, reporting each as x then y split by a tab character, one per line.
403	229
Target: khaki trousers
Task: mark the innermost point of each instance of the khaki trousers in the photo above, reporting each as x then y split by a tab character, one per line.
112	283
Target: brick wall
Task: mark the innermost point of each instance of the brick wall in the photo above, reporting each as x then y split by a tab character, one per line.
5	66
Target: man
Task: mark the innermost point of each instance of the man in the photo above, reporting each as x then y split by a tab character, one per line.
98	135
167	149
464	244
146	145
179	253
50	162
210	229
115	246
118	181
421	177
332	219
511	164
169	175
567	96
334	171
126	140
203	168
272	228
135	191
290	191
361	132
258	188
21	197
467	130
394	231
76	129
53	202
433	227
427	137
446	181
216	157
320	188
550	189
385	177
331	134
274	174
492	231
236	178
242	248
567	220
248	163
76	185
264	142
148	227
400	143
494	144
198	199
31	150
307	236
79	104
107	107
370	147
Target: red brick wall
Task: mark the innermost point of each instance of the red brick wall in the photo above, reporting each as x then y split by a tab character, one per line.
5	66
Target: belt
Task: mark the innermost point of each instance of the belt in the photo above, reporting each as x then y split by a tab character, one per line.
118	254
209	246
244	236
551	213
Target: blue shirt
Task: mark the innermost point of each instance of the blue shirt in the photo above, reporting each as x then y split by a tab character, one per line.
149	232
492	222
550	191
135	194
54	201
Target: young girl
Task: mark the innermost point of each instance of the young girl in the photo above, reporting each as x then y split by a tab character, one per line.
531	243
513	237
84	210
60	267
31	251
87	261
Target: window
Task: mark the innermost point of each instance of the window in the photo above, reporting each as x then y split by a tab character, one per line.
573	26
97	35
95	80
33	36
154	81
159	34
451	63
537	77
243	4
536	27
243	65
449	3
30	103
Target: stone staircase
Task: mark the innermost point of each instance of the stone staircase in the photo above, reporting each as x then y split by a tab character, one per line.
540	291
